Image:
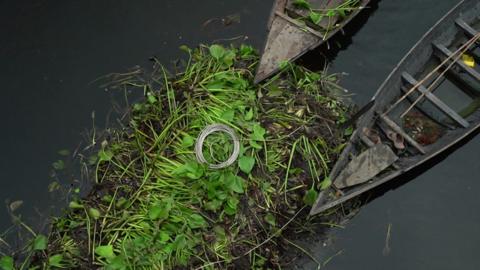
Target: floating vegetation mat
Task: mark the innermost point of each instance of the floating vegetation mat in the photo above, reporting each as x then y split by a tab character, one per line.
153	206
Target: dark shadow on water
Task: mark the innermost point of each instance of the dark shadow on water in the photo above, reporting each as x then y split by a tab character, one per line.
320	57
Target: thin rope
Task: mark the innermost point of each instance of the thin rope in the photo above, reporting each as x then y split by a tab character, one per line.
212	129
411	90
440	76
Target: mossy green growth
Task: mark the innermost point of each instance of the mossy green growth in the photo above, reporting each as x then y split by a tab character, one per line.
153	206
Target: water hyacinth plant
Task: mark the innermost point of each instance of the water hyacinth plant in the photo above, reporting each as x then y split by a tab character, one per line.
153	206
314	17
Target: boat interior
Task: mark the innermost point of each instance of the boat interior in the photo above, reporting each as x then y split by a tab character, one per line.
429	102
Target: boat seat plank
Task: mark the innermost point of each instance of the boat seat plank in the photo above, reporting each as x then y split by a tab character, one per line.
445	52
389	122
469	31
436	101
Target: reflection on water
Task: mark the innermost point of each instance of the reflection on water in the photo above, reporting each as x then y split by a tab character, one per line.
52	50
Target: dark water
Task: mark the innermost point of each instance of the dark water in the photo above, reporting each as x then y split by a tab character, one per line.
50	51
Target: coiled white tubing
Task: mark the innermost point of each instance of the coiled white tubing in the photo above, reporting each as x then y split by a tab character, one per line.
212	129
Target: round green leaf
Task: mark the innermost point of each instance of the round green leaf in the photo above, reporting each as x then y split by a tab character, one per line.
55	260
196	221
40	242
217	51
75	205
6	263
94	213
270	219
105	251
246	164
310	197
234	183
158	212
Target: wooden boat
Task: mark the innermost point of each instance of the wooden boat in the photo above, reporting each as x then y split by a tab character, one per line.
428	103
291	33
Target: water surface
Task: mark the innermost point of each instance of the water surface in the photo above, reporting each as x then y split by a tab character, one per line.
51	50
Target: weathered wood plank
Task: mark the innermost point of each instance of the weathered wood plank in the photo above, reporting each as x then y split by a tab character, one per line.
436	101
389	122
467	29
365	166
445	52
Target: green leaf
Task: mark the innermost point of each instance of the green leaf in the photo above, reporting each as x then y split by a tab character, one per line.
75	205
187	141
40	242
191	169
348	131
246	51
310	197
258	132
274	91
53	186
117	263
270	219
58	165
331	13
229	211
235	183
64	152
325	183
105	251
216	86
213	205
315	17
104	155
219	231
94	213
302	4
246	164
228	115
55	260
6	263
164	236
221	195
92	159
158	211
232	202
255	145
249	115
229	57
217	51
185	48
196	221
284	64
180	242
151	98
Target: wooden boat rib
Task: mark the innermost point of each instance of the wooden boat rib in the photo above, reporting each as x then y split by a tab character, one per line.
387	142
289	37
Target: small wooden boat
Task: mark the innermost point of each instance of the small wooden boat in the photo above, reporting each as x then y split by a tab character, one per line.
429	102
297	26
